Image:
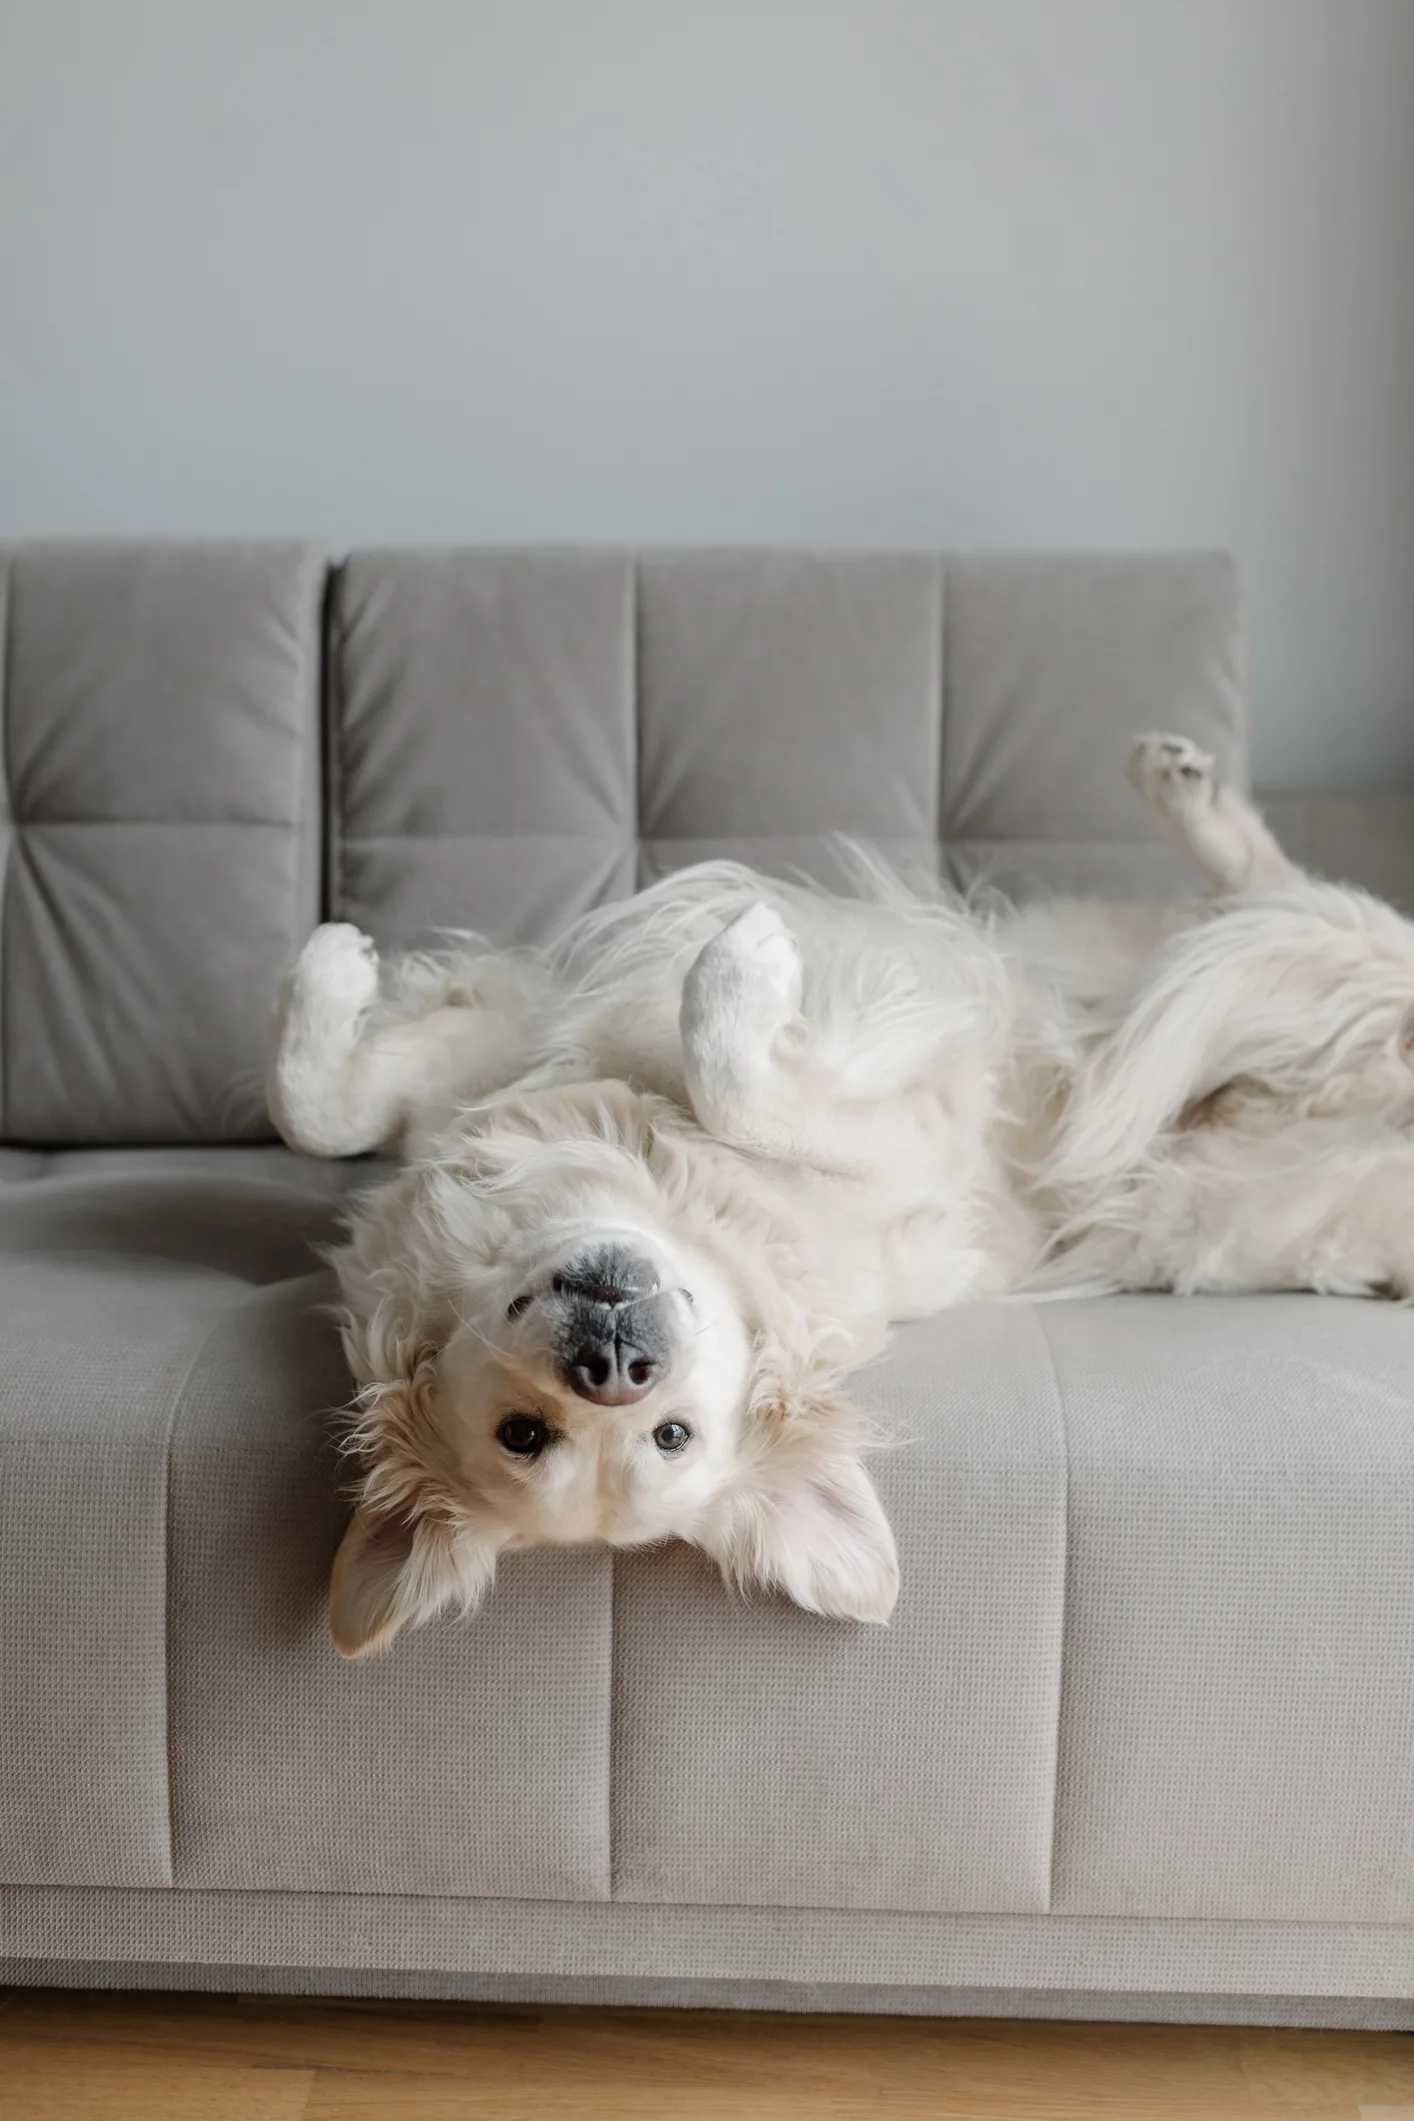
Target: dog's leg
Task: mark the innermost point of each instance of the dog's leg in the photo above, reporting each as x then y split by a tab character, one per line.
740	1007
1218	829
1323	1204
316	1090
753	1077
338	1087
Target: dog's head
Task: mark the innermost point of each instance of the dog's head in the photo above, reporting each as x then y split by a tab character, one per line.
561	1341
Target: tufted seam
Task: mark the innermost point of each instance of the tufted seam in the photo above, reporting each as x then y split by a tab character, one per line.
249	1296
611	1747
335	793
1064	1633
940	792
7	818
339	837
308	697
635	679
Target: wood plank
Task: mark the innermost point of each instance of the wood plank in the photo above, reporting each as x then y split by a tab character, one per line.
94	2056
1344	2069
361	2096
43	2081
672	2056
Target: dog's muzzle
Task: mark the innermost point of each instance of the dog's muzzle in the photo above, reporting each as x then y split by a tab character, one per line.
615	1339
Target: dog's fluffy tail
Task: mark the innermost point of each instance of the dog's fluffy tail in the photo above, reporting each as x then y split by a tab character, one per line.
1289	991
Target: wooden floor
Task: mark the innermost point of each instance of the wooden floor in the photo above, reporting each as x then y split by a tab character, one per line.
93	2057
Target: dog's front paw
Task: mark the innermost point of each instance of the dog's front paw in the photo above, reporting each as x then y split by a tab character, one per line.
340	959
749	976
338	968
740	995
1171	773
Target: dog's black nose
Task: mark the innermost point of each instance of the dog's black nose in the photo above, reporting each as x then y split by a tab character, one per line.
616	1336
611	1372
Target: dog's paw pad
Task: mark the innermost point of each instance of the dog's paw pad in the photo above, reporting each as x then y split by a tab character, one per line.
1169	769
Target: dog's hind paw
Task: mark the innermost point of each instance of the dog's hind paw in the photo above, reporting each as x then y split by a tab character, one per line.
1171	773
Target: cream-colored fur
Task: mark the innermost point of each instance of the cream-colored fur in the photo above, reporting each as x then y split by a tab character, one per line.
784	1120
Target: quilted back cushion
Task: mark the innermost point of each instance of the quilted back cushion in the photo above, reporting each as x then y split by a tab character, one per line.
519	735
515	736
160	839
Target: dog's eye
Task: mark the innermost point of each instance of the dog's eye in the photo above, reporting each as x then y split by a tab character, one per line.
522	1303
671	1436
522	1435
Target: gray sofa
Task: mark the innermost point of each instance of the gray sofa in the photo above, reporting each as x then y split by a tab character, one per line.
1140	1741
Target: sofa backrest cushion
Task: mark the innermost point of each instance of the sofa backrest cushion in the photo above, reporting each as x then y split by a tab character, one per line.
513	736
160	710
519	735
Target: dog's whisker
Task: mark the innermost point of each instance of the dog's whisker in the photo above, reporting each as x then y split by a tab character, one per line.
470	1326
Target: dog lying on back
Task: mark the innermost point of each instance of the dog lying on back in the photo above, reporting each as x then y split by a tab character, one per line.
667	1185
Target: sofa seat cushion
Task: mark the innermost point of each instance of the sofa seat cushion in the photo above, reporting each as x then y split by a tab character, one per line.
1237	1719
171	1710
253	1215
1150	1656
127	1278
1153	1653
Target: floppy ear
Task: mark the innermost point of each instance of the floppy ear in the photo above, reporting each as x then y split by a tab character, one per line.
391	1573
809	1524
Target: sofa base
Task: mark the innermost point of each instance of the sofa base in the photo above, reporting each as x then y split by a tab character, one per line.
1383	2014
616	1952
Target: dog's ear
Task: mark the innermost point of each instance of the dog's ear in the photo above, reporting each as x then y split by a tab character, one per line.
391	1573
405	1554
806	1521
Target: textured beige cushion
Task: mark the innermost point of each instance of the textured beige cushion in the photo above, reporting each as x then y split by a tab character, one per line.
1150	1657
161	850
519	735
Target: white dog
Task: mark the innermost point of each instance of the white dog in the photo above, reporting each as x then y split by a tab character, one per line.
669	1184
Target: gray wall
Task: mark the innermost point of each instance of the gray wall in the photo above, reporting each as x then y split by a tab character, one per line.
968	272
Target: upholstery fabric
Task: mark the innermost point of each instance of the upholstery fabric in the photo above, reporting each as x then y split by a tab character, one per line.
482	740
609	1992
1237	1729
475	1760
170	1707
1353	839
528	1940
1148	1662
517	736
160	713
915	1769
1053	664
116	1286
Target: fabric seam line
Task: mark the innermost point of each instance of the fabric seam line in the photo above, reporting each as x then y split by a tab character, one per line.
1058	1397
226	1312
6	641
940	838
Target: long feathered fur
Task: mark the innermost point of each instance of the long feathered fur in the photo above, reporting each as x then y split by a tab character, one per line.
814	1114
